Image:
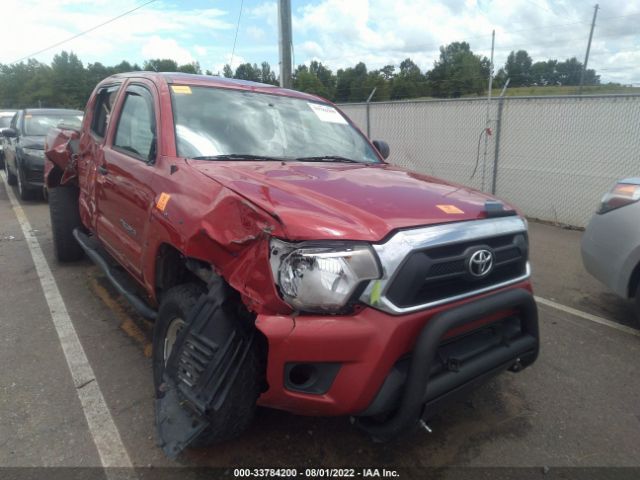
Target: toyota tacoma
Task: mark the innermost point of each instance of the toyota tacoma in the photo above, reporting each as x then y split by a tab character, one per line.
284	262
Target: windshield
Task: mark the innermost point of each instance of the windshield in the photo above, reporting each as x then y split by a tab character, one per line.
39	124
212	122
5	122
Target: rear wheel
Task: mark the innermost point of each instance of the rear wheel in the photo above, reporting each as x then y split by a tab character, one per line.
65	217
237	411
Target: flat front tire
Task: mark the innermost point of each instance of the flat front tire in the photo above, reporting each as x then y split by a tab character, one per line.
236	413
65	217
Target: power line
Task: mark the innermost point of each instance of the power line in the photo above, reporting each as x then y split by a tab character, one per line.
235	38
84	32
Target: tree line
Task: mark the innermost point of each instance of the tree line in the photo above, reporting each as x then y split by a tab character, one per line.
67	82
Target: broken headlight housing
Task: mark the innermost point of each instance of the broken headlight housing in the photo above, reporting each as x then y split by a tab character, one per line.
321	277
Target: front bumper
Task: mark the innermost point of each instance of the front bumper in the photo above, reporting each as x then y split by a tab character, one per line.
369	345
610	248
33	170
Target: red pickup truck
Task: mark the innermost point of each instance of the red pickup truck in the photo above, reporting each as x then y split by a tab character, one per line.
284	262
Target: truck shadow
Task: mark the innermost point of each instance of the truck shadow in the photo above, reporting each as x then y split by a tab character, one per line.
279	439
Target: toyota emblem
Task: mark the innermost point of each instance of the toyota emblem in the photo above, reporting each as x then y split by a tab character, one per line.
480	263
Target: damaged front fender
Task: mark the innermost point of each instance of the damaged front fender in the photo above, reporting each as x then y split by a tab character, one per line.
61	151
200	379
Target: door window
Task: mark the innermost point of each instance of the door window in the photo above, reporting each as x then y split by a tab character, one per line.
135	134
102	110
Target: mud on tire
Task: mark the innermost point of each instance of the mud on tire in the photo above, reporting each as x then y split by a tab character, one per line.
65	217
237	412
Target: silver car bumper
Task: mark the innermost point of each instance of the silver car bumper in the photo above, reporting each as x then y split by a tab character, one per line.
611	247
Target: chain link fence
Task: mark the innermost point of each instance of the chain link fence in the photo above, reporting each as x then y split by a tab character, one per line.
553	157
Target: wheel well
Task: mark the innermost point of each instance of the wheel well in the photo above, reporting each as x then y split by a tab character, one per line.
634	281
53	177
171	270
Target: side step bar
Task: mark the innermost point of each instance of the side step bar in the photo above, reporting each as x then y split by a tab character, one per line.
113	275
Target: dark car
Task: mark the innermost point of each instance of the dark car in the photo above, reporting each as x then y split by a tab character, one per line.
5	121
24	145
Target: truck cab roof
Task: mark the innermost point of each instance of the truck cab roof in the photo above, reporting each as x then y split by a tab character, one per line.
180	78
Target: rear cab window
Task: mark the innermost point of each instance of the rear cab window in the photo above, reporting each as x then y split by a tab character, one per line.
105	100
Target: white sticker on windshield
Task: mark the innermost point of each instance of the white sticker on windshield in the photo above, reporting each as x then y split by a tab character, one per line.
327	113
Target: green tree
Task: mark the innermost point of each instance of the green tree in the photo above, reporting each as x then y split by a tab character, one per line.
409	82
68	80
518	68
350	84
193	67
267	75
227	71
246	71
458	71
160	65
305	81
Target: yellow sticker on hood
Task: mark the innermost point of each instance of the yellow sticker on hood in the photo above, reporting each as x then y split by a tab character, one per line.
450	209
184	89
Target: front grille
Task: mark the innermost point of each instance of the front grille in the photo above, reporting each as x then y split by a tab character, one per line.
437	273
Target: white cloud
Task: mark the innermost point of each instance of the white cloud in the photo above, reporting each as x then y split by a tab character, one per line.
380	32
339	33
132	37
157	47
255	33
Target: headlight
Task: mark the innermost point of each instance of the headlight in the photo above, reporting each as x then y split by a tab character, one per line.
623	193
33	152
321	277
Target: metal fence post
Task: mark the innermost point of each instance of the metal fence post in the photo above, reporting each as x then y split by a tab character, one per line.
496	152
368	110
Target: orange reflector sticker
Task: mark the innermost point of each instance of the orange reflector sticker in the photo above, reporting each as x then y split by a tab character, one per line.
450	209
161	204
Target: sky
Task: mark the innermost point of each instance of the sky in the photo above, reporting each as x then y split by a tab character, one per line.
339	33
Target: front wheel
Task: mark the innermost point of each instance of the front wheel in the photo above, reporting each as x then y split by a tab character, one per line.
24	192
11	178
638	304
237	411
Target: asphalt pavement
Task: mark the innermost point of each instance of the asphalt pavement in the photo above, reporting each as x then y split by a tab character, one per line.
579	405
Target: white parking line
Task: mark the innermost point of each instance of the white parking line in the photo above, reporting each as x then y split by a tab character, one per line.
101	425
588	316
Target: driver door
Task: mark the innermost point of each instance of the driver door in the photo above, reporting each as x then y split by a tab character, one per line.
125	176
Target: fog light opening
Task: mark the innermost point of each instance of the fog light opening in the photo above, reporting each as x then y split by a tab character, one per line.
302	375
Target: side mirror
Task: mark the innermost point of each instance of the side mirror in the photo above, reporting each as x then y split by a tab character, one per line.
9	133
382	147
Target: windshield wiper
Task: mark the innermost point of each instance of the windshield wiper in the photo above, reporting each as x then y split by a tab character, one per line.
238	156
327	158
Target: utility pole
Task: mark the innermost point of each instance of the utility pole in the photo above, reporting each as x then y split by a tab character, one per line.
285	42
586	57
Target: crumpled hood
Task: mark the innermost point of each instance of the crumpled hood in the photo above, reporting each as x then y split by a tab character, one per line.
345	201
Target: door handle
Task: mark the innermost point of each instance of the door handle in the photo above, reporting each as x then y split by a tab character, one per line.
102	170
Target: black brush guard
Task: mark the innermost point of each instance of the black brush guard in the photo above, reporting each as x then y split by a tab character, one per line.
421	392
